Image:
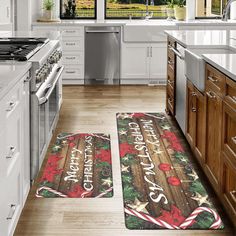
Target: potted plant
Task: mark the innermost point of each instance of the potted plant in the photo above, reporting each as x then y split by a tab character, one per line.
48	7
170	9
180	10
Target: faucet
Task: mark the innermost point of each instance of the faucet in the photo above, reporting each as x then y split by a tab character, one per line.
148	15
226	10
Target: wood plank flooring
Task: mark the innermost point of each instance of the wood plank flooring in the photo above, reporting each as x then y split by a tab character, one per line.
93	109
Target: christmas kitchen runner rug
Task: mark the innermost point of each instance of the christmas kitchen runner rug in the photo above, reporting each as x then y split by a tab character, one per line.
79	166
161	189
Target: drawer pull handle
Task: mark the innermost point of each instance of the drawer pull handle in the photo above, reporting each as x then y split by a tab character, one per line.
70	72
212	79
234	139
11	152
11	106
211	95
70	31
70	58
194	109
233	195
70	44
12	212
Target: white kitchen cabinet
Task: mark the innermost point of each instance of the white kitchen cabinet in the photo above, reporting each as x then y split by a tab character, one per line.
5	11
14	151
135	63
143	63
73	51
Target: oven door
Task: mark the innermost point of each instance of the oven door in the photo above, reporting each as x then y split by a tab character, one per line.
44	114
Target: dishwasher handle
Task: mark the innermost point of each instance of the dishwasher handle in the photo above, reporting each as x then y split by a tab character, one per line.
103	31
177	53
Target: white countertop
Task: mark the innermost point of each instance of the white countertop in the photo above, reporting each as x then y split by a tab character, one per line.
121	22
10	74
226	63
201	38
45	34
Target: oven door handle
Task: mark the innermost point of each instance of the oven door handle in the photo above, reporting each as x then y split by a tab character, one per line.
44	99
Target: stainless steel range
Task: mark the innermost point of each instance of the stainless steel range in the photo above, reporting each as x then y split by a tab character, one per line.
45	88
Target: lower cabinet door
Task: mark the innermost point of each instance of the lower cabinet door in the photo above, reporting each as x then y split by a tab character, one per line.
191	115
10	201
213	137
228	184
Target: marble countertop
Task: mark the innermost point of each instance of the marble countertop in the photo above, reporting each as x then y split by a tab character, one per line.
10	74
223	62
140	22
202	38
53	35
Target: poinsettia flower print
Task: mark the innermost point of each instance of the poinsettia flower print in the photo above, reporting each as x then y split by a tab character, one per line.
174	217
126	148
50	172
104	156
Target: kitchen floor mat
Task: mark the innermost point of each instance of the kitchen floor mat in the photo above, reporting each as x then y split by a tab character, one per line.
161	189
79	166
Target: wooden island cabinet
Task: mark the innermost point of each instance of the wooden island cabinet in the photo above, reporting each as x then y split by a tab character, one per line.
210	127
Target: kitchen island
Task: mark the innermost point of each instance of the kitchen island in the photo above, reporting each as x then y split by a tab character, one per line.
210	108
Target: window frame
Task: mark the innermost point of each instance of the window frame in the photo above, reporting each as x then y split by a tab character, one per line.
126	18
78	18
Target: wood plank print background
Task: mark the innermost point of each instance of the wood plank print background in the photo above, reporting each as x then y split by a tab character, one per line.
79	166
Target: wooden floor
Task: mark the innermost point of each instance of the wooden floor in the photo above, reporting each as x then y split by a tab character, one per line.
93	109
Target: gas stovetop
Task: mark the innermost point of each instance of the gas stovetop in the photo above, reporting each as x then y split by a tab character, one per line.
20	49
23	40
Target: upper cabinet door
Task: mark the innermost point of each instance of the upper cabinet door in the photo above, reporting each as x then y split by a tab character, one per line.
135	61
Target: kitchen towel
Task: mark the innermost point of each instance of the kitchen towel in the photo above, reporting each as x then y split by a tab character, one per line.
161	187
79	166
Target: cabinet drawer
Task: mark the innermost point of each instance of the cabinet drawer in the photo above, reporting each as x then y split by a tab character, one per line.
216	80
229	130
74	73
230	92
73	44
228	184
72	32
10	201
73	59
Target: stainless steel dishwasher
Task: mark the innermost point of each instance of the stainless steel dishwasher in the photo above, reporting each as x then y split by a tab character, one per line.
102	55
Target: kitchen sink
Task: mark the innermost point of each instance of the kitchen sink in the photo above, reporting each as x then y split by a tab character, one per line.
195	65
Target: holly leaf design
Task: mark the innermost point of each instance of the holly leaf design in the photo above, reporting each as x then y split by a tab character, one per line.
197	186
130	193
126	179
133	222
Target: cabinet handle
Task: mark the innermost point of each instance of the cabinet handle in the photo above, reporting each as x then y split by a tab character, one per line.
11	152
212	79
234	98
11	106
70	72
194	109
233	195
211	95
12	212
234	139
147	51
70	58
70	31
70	44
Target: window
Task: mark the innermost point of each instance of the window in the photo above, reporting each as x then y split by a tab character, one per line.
210	8
135	8
78	9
